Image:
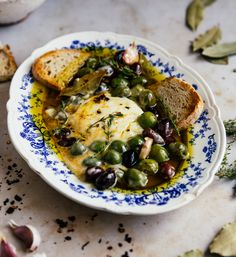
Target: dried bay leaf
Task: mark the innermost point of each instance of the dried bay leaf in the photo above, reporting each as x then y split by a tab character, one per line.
223	60
193	253
209	38
194	14
221	50
207	2
224	243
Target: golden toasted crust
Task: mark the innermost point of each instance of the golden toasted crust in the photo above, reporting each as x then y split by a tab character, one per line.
12	66
43	73
38	70
193	107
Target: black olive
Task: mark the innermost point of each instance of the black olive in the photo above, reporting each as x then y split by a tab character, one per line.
67	142
165	128
167	170
92	173
158	139
61	133
130	158
106	180
153	109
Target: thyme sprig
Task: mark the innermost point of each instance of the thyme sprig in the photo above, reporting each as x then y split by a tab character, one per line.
227	169
106	122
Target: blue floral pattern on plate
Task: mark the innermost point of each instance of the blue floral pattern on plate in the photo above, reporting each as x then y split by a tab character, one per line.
37	141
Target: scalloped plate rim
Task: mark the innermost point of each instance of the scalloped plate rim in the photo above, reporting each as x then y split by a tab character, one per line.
125	209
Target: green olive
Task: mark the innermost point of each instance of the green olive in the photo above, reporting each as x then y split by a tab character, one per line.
92	162
159	153
135	142
179	150
119	146
92	63
147	98
136	178
119	81
148	165
120	174
138	80
121	91
98	146
112	157
77	148
84	71
136	90
147	120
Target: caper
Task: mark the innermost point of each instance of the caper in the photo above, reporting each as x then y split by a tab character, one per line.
136	90
84	71
148	165
138	81
147	98
119	146
159	153
179	150
121	91
136	178
135	142
92	161
77	148
98	146
92	63
119	81
112	157
147	120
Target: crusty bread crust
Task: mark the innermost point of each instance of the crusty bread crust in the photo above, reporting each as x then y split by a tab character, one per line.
39	72
12	64
195	107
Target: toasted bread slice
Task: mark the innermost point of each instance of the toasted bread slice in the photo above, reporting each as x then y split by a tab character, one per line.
7	63
56	68
184	104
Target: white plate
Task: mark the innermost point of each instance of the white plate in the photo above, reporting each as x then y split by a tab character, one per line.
207	142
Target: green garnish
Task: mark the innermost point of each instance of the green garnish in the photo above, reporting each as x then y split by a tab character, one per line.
106	122
227	169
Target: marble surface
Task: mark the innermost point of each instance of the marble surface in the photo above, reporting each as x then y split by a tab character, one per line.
95	233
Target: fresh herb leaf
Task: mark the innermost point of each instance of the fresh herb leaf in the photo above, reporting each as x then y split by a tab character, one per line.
220	50
106	122
230	127
223	60
87	84
209	38
194	14
227	169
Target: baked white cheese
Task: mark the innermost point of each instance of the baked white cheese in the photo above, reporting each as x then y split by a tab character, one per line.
91	119
102	117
